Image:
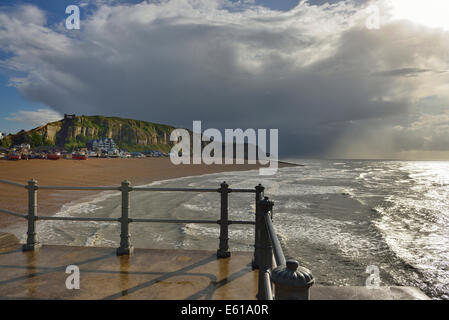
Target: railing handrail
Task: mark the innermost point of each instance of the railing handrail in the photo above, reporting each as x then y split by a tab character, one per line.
267	282
98	219
290	281
125	188
276	244
13	213
67	188
150	189
117	188
16	184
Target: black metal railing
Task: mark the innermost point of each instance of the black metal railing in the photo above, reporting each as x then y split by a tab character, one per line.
290	281
268	254
124	220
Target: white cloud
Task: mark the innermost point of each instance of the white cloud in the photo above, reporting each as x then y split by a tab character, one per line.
314	72
30	14
34	118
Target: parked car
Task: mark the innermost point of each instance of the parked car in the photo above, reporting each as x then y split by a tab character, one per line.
54	156
137	155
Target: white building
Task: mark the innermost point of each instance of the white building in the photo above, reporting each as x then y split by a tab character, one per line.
106	144
2	135
23	146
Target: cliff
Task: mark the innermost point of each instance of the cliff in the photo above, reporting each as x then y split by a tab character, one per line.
75	131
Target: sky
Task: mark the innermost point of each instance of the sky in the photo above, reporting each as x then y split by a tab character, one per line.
339	79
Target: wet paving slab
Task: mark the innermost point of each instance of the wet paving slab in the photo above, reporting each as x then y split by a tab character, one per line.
147	274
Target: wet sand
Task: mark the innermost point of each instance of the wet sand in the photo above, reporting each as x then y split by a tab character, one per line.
93	172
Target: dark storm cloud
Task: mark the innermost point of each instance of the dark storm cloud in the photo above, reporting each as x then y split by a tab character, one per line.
307	72
405	72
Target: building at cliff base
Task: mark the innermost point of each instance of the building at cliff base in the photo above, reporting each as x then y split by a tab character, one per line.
103	144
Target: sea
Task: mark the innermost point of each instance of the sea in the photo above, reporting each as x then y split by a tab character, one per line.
339	218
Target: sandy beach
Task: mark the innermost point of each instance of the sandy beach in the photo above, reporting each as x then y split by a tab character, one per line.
93	172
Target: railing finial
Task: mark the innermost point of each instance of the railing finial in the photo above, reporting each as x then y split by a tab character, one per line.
292	282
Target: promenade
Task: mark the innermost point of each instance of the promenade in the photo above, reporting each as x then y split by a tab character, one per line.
148	274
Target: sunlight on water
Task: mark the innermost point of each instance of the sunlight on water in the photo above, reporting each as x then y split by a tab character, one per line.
416	223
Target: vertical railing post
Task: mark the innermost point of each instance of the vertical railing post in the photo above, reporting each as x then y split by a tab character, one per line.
125	246
223	250
266	249
258	227
32	243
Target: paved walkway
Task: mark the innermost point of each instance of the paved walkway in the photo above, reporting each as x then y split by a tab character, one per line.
148	274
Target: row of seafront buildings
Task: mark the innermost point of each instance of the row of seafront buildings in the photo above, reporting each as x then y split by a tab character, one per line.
103	147
107	145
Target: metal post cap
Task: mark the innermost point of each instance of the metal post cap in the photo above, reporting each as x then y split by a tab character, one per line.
292	275
292	265
266	202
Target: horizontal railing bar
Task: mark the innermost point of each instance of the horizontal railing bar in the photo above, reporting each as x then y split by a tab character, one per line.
78	188
13	213
190	189
13	183
77	219
173	221
173	189
267	284
188	221
132	188
243	190
278	252
241	222
136	220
